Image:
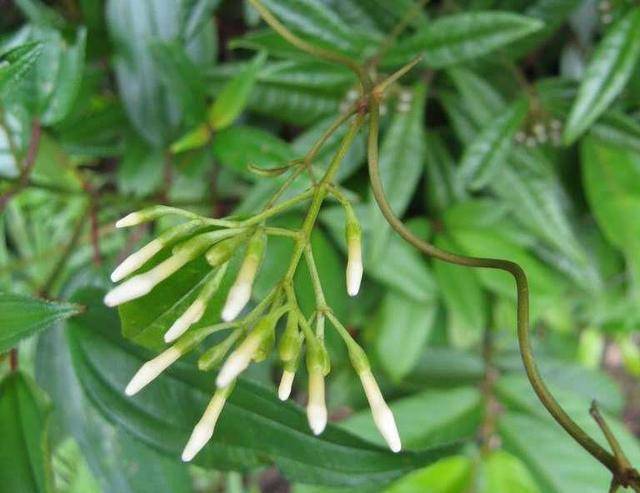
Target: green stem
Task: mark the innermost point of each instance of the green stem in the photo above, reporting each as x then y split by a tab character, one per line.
319	194
277	209
543	393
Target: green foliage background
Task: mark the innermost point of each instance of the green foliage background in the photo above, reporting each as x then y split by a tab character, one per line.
517	136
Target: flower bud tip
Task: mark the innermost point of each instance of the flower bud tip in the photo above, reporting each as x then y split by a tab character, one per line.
129	290
129	220
286	382
150	370
192	315
238	297
136	260
202	433
354	277
317	416
235	364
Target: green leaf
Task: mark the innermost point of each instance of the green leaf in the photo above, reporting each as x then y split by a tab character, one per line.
619	129
486	154
22	316
451	475
608	72
182	78
317	23
531	188
134	26
456	38
558	464
254	428
463	297
402	154
611	175
482	100
119	462
233	97
25	462
40	14
194	14
241	146
67	80
453	414
139	171
505	473
15	63
295	92
488	242
442	184
402	328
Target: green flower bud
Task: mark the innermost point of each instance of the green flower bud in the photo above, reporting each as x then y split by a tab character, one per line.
213	356
291	340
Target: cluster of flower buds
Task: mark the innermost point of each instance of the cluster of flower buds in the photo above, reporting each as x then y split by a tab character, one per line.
252	337
541	132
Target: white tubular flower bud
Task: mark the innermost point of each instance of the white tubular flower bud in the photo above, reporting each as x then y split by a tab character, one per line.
286	382
238	297
196	310
203	431
355	269
151	369
136	260
192	315
131	219
316	407
382	415
239	360
240	293
142	284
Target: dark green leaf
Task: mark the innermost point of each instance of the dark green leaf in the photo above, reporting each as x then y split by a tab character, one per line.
239	147
556	461
15	63
402	329
443	187
66	83
532	190
119	462
194	14
22	316
463	296
183	79
25	463
609	70
485	156
318	24
456	38
104	363
402	155
611	176
133	26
